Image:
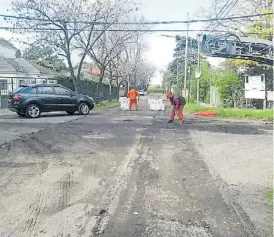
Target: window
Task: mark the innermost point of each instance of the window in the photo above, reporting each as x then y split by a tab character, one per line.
25	90
62	91
45	90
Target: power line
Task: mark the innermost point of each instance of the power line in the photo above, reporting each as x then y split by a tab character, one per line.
30	29
7	17
219	13
219	23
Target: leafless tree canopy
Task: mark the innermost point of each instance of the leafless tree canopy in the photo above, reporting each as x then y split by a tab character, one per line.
81	27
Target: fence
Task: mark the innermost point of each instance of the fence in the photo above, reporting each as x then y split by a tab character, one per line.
84	87
5	89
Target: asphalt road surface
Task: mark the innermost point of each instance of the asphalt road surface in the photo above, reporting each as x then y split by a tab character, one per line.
119	173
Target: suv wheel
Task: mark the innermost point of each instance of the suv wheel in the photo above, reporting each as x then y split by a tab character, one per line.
21	115
70	112
33	111
83	109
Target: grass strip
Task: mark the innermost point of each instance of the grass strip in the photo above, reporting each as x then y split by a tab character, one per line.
107	105
233	113
270	197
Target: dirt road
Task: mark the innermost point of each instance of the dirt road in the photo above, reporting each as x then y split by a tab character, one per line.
121	174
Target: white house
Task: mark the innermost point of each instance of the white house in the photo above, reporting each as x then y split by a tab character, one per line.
7	49
18	71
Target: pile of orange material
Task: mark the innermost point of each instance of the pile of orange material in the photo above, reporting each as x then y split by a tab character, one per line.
211	113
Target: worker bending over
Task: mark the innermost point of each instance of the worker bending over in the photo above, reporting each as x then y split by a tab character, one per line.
133	95
178	102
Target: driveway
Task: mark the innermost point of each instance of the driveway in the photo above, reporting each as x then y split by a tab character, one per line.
120	173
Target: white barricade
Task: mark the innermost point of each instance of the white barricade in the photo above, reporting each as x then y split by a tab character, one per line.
156	105
152	100
149	101
124	103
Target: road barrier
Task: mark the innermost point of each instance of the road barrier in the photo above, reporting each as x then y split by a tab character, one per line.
157	105
124	103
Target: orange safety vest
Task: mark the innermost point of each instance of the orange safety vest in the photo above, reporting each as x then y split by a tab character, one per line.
132	94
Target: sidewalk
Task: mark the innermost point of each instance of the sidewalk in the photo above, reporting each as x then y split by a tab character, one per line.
5	111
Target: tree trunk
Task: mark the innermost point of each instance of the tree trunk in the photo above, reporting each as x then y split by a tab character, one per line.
117	93
99	86
75	83
110	94
73	77
117	88
126	89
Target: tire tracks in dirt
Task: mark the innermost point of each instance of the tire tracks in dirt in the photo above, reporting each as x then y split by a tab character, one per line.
37	209
39	204
124	175
64	190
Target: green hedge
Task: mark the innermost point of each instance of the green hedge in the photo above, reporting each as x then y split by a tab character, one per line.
88	87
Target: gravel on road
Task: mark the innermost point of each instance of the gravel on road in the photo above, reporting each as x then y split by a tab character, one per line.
120	173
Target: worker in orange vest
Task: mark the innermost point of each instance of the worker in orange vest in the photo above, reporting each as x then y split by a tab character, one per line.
133	95
178	102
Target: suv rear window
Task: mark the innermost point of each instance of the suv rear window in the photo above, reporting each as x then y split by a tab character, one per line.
24	90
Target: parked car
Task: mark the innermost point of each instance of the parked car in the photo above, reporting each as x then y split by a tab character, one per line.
141	92
32	100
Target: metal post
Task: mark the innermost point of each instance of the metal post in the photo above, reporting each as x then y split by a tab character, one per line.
12	84
186	55
177	77
189	84
199	68
265	100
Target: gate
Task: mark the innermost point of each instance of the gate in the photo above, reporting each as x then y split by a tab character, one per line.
5	88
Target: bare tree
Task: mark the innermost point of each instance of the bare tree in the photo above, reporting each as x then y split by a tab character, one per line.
113	43
107	48
61	23
130	69
144	74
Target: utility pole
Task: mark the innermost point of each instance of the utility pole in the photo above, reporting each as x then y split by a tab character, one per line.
177	76
186	56
199	70
189	84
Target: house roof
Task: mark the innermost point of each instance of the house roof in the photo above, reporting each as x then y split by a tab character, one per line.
21	65
6	67
42	69
6	43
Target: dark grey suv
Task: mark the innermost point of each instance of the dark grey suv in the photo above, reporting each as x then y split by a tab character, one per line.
32	100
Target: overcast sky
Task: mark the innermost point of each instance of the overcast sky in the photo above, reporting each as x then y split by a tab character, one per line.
160	47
